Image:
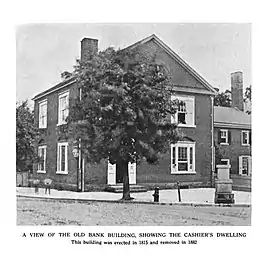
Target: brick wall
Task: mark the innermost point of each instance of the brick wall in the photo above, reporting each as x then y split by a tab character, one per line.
96	175
234	149
147	173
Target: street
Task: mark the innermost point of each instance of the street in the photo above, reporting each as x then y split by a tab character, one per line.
53	212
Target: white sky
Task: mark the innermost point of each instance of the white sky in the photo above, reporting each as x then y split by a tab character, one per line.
44	51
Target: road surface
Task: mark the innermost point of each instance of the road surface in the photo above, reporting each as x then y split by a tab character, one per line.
53	212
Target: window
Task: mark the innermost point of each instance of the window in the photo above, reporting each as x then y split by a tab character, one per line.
245	138
224	137
62	158
184	116
63	107
225	161
42	107
183	157
42	159
245	166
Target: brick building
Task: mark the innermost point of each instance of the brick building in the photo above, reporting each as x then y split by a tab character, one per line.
189	161
232	133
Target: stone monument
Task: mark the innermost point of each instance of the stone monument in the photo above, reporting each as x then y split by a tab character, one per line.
223	185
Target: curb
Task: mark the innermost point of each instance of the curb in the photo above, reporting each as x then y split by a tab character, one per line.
132	202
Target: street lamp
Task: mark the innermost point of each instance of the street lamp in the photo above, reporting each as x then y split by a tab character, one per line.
75	153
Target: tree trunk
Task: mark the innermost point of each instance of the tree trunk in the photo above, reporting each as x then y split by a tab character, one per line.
125	176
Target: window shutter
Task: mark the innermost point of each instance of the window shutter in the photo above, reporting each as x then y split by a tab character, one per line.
58	158
250	166
250	137
219	137
240	165
174	118
111	173
40	115
132	173
229	137
173	159
45	124
66	102
59	110
66	158
241	138
189	115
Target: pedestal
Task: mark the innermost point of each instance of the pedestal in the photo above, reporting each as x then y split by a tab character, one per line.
224	198
223	186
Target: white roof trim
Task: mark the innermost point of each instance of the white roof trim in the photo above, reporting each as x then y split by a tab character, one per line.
232	125
51	91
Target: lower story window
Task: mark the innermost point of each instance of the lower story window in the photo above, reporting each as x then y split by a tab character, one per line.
62	161
183	157
245	166
42	159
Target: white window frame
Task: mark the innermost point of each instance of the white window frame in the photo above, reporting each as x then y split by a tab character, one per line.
249	159
174	119
59	152
248	138
44	158
40	116
60	110
226	160
174	165
226	137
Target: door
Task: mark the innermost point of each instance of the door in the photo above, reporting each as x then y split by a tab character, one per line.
115	177
119	177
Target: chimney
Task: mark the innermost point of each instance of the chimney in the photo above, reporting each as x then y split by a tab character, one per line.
89	47
237	90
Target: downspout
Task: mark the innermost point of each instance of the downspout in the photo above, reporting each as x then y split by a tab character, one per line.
212	132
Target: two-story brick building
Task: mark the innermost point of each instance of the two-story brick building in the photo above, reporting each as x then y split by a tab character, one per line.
232	133
189	161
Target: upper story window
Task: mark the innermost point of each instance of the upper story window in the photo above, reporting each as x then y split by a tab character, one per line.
42	159
224	136
183	157
185	115
42	113
63	108
245	138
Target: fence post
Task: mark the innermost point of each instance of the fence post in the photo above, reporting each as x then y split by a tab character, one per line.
179	192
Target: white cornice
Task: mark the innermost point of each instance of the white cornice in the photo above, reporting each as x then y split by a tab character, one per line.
232	125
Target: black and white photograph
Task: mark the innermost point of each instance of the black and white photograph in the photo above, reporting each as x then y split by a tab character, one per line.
134	124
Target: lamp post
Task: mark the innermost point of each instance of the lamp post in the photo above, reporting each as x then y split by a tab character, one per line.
75	153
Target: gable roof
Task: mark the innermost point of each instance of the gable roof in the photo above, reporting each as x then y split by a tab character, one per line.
160	43
59	86
176	57
231	117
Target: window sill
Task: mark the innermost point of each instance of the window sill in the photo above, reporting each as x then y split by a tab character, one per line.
186	126
224	143
41	172
245	144
244	177
60	124
42	127
61	172
183	172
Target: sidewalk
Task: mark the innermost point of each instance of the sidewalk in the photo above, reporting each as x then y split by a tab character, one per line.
199	196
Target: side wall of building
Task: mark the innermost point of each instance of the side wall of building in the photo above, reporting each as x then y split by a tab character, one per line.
201	134
232	152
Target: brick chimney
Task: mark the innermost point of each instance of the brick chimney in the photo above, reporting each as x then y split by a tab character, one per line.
89	46
237	90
